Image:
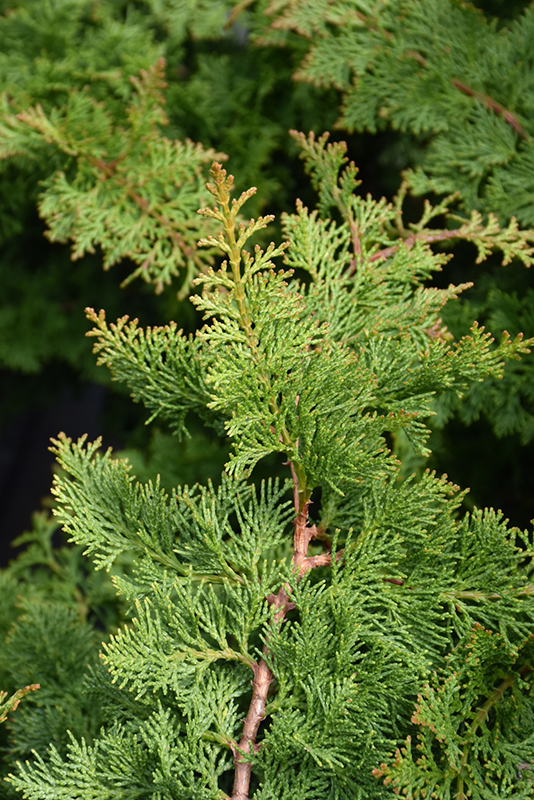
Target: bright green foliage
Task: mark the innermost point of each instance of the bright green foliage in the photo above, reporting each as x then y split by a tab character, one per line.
373	253
288	637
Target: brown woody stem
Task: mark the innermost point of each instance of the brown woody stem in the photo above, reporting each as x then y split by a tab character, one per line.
440	236
489	102
263	678
263	675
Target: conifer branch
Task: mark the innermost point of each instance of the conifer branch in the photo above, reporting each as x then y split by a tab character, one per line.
135	195
9	704
235	12
487	238
479	719
263	677
318	371
232	243
422	236
482	597
489	102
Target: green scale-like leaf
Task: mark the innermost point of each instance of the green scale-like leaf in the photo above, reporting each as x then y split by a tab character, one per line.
455	725
295	666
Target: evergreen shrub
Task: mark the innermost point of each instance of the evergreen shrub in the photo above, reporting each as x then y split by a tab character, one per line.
317	616
338	630
92	138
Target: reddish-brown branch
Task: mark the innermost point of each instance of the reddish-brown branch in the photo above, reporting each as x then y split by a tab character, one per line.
324	560
263	675
489	102
302	536
263	678
440	236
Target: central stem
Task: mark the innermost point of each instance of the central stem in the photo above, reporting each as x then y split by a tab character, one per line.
263	676
229	222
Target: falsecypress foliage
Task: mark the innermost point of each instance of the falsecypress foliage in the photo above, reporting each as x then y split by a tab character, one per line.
291	638
55	612
452	85
120	178
463	82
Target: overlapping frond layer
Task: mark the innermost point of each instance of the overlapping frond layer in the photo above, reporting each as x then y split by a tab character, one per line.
462	82
287	638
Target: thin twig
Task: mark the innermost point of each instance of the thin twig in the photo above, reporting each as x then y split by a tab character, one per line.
489	102
235	13
421	236
263	675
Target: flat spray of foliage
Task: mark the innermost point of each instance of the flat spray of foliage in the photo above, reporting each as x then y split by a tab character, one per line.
340	633
458	81
116	165
453	86
134	192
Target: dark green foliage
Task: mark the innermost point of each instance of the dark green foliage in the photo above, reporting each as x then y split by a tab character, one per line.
201	457
142	217
461	82
505	301
460	732
55	614
94	128
457	92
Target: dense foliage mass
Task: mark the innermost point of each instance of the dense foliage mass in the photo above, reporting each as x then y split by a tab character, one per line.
297	607
111	112
269	664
